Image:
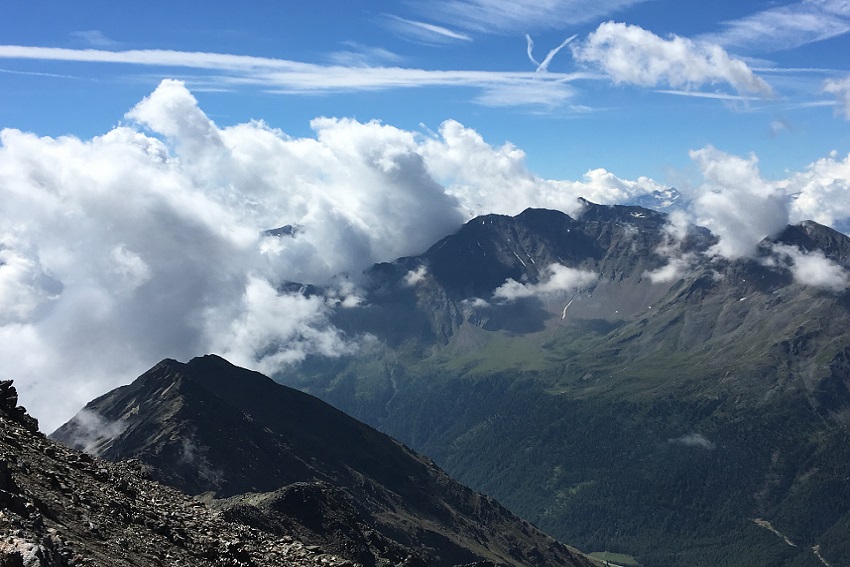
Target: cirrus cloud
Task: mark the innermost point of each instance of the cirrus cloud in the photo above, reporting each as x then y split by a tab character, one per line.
508	15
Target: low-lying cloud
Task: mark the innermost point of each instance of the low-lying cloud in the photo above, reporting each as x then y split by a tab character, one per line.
678	262
694	440
152	240
91	431
149	241
557	280
810	268
736	204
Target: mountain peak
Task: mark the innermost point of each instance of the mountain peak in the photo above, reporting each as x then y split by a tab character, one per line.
61	507
811	236
208	426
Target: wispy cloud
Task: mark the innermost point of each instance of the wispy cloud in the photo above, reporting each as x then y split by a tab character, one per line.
736	203
840	88
281	75
786	27
95	38
693	440
504	16
356	54
713	96
550	95
37	74
423	31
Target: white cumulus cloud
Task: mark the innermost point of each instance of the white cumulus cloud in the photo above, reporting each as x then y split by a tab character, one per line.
735	203
487	179
632	55
268	330
148	241
822	191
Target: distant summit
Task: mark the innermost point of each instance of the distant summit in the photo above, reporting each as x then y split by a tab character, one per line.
665	200
610	363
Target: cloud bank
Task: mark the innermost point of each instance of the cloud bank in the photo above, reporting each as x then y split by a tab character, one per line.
153	240
149	241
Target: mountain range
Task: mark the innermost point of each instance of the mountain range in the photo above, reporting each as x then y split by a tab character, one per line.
610	378
617	382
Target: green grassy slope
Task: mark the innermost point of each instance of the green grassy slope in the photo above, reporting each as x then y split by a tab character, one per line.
659	421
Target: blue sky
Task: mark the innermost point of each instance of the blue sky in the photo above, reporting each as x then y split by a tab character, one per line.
146	147
571	118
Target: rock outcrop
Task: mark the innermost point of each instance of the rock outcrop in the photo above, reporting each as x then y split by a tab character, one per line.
61	508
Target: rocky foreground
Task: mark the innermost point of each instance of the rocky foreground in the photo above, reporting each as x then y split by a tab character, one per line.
61	507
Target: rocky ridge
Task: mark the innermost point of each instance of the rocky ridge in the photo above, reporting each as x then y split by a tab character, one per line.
62	508
285	462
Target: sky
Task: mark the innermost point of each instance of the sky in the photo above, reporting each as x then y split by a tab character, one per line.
145	147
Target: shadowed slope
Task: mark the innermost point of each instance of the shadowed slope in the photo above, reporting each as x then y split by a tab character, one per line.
208	426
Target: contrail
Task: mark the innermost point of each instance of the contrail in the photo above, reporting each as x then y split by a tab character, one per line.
530	49
543	67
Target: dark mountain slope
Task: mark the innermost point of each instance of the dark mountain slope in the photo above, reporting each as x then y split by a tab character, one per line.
619	243
208	426
659	417
811	236
60	508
